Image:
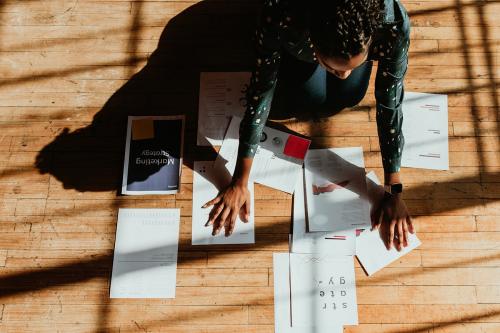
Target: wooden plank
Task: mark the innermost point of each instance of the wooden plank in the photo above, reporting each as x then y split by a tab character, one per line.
460	258
186	315
488	223
435	314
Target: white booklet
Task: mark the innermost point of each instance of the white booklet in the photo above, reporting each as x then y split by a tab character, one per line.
145	257
323	290
425	128
335	189
342	242
370	248
278	160
207	182
153	155
282	309
222	95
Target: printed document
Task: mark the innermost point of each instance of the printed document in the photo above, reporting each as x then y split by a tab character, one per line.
425	129
278	160
335	189
222	95
145	258
207	182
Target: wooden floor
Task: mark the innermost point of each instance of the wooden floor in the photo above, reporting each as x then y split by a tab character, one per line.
72	70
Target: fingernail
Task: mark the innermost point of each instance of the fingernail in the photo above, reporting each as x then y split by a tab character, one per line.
207	224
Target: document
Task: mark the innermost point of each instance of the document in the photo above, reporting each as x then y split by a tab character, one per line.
207	182
278	160
370	248
323	290
282	309
222	95
153	155
342	242
145	257
425	128
335	189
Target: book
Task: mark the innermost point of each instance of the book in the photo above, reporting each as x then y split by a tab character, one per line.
153	155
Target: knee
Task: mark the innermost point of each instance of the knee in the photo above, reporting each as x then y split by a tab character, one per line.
352	100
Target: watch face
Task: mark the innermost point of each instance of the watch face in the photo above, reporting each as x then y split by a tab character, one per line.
396	188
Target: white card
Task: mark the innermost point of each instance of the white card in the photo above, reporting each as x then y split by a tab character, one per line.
370	248
273	164
335	189
208	180
222	95
425	128
282	310
337	243
145	257
323	290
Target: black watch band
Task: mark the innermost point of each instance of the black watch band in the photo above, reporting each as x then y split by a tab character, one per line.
394	188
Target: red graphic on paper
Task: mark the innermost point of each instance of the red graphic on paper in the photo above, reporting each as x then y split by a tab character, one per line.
296	147
359	231
337	237
317	190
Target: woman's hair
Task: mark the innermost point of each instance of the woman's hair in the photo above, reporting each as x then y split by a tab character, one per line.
342	28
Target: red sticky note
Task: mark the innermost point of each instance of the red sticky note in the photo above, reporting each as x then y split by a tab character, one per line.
296	147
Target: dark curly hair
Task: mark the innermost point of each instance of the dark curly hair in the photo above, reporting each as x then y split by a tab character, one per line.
342	28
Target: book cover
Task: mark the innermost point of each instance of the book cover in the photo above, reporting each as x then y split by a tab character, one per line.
153	155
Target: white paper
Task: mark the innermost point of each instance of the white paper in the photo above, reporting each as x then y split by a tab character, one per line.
207	181
323	290
282	310
222	95
270	167
335	189
145	257
425	128
337	243
370	248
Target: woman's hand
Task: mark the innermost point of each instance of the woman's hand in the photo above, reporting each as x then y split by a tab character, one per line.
230	202
394	221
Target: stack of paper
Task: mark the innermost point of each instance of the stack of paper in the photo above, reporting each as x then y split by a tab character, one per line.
314	284
278	160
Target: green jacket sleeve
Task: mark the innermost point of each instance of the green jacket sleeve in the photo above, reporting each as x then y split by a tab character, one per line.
389	93
260	91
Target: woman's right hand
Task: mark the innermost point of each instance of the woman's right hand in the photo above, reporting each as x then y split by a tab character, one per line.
234	200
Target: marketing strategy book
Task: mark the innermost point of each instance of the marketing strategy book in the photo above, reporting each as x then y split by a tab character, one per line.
153	155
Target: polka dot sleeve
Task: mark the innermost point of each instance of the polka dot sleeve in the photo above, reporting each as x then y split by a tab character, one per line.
389	92
260	91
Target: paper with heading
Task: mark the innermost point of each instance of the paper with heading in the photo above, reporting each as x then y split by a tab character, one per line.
222	95
145	257
277	162
425	128
370	248
207	182
323	290
335	189
282	309
338	243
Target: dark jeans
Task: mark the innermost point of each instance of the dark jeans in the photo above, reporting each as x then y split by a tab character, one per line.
306	90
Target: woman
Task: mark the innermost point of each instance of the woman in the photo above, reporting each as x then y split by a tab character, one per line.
321	53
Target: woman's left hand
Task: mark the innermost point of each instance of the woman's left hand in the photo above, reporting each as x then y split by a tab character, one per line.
391	217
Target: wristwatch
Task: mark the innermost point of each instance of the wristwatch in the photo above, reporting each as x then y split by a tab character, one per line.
394	188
